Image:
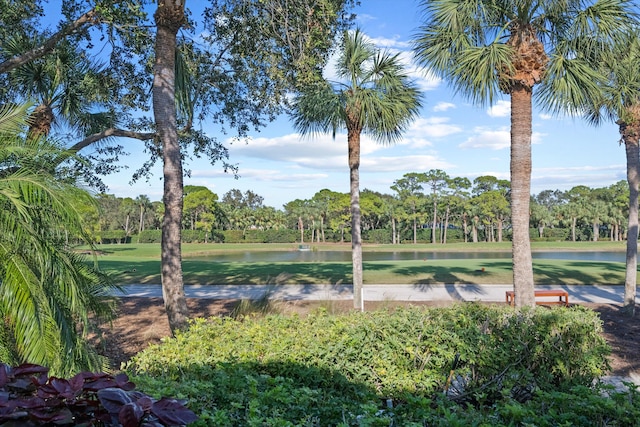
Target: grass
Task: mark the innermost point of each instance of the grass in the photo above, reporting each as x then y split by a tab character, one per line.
140	263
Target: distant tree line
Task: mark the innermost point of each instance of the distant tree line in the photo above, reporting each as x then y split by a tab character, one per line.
426	207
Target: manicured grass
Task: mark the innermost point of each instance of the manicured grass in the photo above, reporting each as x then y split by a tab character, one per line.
140	263
151	250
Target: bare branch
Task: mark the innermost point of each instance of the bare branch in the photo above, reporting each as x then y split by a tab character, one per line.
110	133
89	17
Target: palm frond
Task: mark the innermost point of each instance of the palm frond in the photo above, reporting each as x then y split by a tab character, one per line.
47	291
12	120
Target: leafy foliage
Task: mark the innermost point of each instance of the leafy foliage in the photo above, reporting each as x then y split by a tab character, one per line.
29	398
48	291
340	369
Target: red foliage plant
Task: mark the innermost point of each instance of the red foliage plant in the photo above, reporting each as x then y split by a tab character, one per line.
28	397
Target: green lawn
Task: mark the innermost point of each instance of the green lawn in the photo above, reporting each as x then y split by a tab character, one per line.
140	263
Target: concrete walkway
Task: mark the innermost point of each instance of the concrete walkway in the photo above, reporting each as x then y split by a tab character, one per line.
453	292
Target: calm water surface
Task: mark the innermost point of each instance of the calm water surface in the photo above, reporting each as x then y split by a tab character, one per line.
345	256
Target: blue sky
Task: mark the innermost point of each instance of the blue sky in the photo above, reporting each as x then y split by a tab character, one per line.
451	134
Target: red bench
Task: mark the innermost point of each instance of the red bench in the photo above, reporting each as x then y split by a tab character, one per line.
563	296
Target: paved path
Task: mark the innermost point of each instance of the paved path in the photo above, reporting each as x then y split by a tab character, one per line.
459	292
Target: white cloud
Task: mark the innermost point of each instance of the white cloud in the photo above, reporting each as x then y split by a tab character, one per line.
561	178
431	127
402	164
390	43
500	109
494	139
314	151
425	80
543	116
443	106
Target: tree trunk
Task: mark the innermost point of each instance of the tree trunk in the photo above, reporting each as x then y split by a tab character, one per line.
523	284
574	220
141	225
633	178
393	230
446	227
464	227
596	231
353	139
301	227
169	18
415	230
434	239
474	232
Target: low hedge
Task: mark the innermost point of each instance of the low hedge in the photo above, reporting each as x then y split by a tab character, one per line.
409	364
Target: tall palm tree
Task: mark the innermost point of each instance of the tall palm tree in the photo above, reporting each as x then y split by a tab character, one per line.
376	97
47	292
618	100
169	17
484	47
144	203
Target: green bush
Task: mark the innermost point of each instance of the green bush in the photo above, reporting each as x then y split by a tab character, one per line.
279	370
150	236
193	236
282	236
550	234
233	236
377	236
114	236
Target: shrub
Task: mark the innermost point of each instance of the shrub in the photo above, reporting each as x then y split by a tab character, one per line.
377	236
29	398
280	370
193	236
233	236
150	236
114	236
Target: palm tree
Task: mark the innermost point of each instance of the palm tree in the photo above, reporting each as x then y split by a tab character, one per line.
144	203
48	292
169	17
618	100
484	47
66	87
377	98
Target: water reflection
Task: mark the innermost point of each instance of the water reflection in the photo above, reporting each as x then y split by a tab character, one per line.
345	256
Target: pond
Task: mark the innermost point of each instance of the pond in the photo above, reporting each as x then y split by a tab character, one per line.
345	256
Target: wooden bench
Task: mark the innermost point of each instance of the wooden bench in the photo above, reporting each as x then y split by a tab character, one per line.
563	296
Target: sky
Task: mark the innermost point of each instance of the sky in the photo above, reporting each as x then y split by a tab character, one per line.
450	134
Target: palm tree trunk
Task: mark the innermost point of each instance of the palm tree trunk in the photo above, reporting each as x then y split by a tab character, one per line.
633	178
141	224
465	228
353	138
415	230
520	194
301	227
393	230
434	240
474	232
446	227
169	18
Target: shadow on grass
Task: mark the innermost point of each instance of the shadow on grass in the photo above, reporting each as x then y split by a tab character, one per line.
271	393
572	273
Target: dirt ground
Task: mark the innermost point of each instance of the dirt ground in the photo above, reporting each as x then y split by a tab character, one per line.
142	321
